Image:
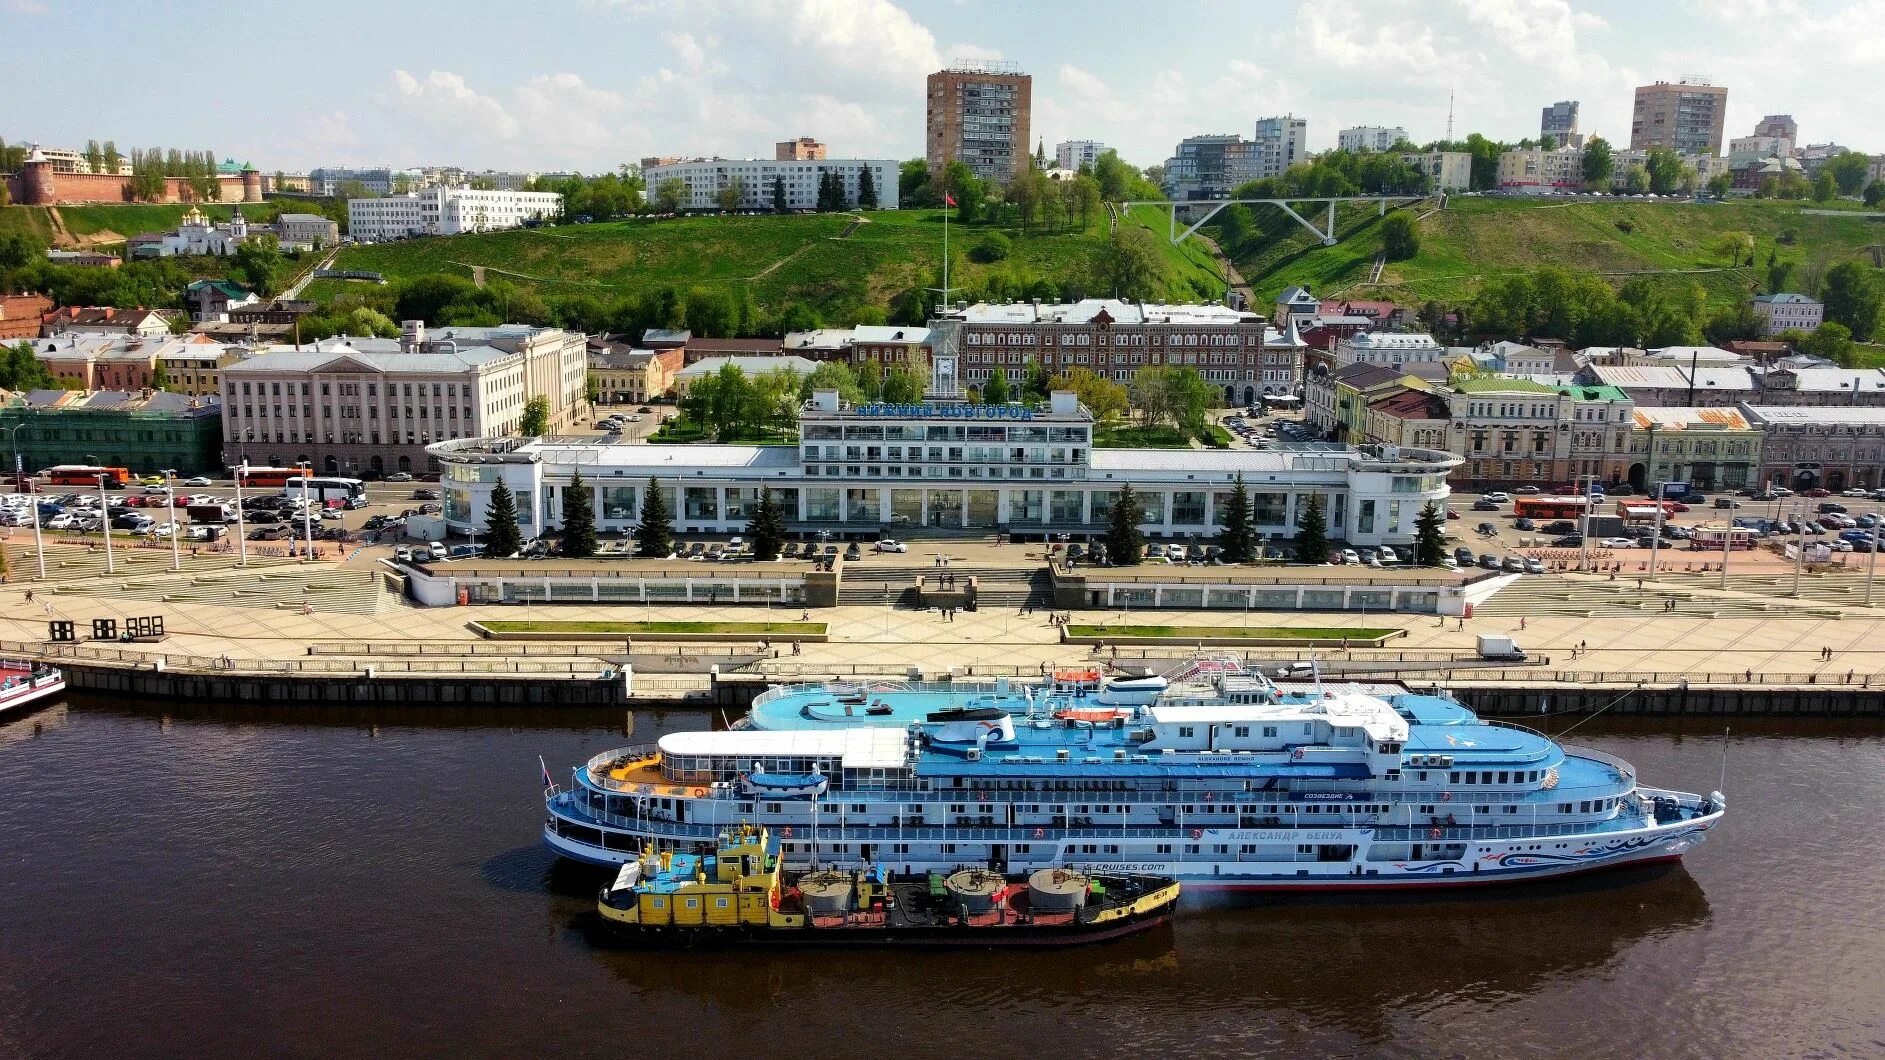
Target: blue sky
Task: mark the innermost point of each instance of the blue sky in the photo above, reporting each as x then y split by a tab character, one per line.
587	84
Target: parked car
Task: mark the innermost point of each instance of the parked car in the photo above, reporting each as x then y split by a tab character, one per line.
1816	492
1489	561
197	480
1498	498
1533	566
1513	565
1388	555
1524	523
1349	555
1856	491
1464	556
400	476
1617	542
159	489
1526	491
891	545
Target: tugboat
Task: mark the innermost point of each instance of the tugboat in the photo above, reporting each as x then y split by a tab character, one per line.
743	893
23	681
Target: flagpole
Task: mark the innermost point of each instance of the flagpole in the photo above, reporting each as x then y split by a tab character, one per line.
946	204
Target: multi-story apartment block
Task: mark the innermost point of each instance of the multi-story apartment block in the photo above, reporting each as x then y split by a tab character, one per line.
371	406
1559	122
1210	167
1600	431
1787	311
1717	447
1510	431
1827	448
1686	116
1388	348
1409	417
706	178
978	114
1072	154
330	181
1446	170
1279	144
1780	125
1234	350
803	149
447	211
1758	146
1538	170
1370	137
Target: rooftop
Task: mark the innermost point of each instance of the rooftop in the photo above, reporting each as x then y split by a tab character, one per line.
1500	385
1683	419
1810	415
858	748
1086	311
749	365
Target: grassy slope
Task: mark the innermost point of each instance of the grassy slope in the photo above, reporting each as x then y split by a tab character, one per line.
891	253
1476	239
117	222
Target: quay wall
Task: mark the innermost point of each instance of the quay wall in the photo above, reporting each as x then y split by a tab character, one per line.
735	692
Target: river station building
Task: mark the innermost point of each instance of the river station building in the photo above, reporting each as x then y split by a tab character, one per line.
947	466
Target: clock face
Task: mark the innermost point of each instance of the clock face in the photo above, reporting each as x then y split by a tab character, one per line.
945	373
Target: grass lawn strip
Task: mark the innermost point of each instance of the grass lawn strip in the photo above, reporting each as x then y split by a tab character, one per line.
1304	634
738	629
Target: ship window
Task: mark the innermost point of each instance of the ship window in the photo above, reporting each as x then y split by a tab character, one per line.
1452	778
1184	732
1191	848
1305	848
1472	778
1486	777
948	848
1583	807
1503	776
1422	775
693	903
1220	848
1426	810
1163	848
1269	732
720	903
775	807
1564	807
1511	809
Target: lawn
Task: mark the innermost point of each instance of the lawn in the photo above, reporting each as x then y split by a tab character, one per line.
1476	239
826	261
1120	437
1302	634
116	222
628	629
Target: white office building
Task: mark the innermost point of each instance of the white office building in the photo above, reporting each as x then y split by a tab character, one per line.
859	471
1073	154
705	178
1280	144
1370	137
447	211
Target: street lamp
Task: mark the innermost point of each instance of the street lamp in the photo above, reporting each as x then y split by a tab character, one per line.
1799	551
307	510
170	494
104	507
19	484
242	533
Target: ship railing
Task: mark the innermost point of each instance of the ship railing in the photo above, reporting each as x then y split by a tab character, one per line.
598	766
1623	768
881	791
1515	725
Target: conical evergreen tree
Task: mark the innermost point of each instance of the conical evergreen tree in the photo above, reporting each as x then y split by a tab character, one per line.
579	520
1125	544
655	536
1429	542
1237	538
502	538
1312	538
767	528
996	391
866	188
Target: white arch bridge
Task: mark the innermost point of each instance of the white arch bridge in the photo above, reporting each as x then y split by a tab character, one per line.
1326	233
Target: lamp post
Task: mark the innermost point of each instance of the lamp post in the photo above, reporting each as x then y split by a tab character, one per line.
104	505
19	483
170	487
1871	567
307	510
1655	540
242	533
1799	550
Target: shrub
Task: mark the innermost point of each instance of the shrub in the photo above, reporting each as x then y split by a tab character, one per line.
991	248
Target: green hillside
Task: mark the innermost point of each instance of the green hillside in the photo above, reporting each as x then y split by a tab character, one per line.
1476	239
833	263
100	224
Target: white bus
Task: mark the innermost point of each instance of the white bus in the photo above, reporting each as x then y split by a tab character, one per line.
321	490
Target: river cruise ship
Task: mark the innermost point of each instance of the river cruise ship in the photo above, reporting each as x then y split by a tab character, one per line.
1221	780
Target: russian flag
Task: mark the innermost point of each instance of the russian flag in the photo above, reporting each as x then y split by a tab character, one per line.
548	781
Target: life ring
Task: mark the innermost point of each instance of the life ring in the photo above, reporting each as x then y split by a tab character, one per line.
981	796
1435	834
1040	833
1210	796
1197	833
1446	796
698	792
1297	753
786	832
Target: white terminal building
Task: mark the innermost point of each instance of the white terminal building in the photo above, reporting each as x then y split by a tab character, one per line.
447	212
705	178
862	471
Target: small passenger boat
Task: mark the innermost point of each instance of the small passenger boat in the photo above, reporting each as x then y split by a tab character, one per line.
743	892
24	681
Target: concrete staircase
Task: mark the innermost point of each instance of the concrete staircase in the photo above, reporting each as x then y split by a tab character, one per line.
327	589
995	586
1542	596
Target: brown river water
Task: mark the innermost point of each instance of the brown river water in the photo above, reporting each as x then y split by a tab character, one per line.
218	881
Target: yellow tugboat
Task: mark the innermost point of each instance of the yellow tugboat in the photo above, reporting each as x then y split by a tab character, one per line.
744	893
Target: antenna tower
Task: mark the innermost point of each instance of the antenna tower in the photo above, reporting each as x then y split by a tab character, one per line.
1449	115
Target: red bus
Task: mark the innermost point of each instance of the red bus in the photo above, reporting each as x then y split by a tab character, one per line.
1551	507
116	478
271	476
1644	509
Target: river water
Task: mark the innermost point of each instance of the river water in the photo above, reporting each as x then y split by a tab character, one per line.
214	881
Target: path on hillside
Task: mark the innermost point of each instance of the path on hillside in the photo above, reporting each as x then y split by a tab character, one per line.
294	292
478	271
1235	277
61	235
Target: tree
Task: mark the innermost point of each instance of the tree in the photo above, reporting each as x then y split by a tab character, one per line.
94	157
1130	264
579	520
21	370
1665	170
960	182
866	188
1125	543
1874	192
258	263
1830	340
778	195
913	183
1720	184
1824	187
1636	180
996	391
1237	538
1854	297
1848	169
902	387
833	375
1112	175
1312	537
535	421
729	197
669	194
502	538
767	528
1736	247
1400	240
655	536
1777	270
1174	393
1599	163
113	160
1429	541
711	313
160	377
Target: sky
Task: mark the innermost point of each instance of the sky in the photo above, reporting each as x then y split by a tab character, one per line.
589	84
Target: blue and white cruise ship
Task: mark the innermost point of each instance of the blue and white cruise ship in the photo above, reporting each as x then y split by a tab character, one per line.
1214	776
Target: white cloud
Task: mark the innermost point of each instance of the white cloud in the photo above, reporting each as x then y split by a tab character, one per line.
685	48
27	7
445	102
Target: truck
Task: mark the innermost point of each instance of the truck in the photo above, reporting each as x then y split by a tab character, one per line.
213	514
1499	646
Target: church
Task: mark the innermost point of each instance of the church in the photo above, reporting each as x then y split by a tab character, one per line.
197	235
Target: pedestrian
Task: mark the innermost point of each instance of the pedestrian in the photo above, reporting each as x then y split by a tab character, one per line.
1749	676
795	648
1521	622
1115	651
29	596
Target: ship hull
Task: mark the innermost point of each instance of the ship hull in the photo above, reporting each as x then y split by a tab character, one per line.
934	937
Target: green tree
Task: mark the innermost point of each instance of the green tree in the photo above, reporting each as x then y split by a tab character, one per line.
1237	537
579	520
1636	180
502	538
1400	239
767	528
1825	188
94	157
669	194
866	188
1720	184
160	377
902	387
960	182
1130	264
259	263
728	198
711	313
833	375
1854	297
1598	162
1736	247
1312	536
991	248
1874	192
21	370
1125	542
654	537
778	195
1104	398
1830	340
1665	170
1429	537
1848	169
536	418
1777	271
996	391
913	183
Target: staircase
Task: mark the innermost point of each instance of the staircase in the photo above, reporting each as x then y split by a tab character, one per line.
328	590
1539	596
995	586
